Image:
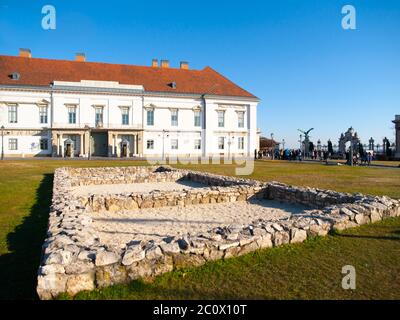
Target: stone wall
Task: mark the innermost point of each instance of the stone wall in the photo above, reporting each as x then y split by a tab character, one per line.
156	199
120	175
144	174
217	188
73	258
309	196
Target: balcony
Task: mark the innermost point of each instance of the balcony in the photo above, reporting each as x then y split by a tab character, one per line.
100	125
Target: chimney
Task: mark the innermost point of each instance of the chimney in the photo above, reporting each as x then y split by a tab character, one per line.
25	53
80	57
184	65
154	63
165	64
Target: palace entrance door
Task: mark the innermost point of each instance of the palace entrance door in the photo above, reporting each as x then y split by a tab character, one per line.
99	144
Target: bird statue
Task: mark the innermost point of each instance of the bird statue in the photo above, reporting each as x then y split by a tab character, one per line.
306	132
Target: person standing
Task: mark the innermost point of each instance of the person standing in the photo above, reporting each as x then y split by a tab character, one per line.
369	157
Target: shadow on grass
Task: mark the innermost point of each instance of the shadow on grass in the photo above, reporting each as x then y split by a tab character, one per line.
18	269
141	290
395	238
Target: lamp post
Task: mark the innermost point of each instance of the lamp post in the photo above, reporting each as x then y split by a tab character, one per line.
371	144
87	127
273	146
283	144
2	142
301	142
319	146
230	141
163	145
351	146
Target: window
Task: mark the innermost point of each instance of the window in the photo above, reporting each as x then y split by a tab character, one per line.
241	119
43	114
241	143
44	144
221	143
99	116
12	144
150	117
72	114
197	118
174	144
125	116
12	114
221	119
174	117
150	144
197	144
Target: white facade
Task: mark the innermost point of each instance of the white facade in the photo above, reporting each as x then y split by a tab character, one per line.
129	122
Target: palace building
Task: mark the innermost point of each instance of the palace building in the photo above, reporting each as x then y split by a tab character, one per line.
73	108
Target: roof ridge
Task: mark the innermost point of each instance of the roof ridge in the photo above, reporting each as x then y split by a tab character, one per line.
42	71
101	63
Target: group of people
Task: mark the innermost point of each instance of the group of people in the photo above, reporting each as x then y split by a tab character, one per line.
282	154
363	159
321	155
292	154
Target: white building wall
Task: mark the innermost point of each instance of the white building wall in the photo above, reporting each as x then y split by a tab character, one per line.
162	132
28	145
28	111
231	130
112	114
28	130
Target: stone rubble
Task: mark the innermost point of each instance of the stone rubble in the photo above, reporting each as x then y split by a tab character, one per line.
73	259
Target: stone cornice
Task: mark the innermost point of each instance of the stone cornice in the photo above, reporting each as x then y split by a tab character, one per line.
121	92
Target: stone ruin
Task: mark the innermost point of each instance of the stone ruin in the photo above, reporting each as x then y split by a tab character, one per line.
74	259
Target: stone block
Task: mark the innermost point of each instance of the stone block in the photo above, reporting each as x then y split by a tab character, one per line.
280	237
111	274
297	235
265	241
188	260
80	282
215	254
248	248
50	286
170	248
104	258
133	254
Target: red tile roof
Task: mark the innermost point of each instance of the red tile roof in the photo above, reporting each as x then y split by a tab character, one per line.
42	72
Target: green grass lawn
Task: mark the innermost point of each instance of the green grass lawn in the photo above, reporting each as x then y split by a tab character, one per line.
377	181
311	270
392	163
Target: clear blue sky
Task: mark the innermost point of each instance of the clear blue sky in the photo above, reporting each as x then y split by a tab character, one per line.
293	54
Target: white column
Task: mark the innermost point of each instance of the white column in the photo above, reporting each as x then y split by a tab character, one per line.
134	150
114	151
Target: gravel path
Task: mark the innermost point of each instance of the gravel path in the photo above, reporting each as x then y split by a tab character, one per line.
122	227
136	187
